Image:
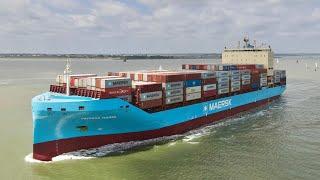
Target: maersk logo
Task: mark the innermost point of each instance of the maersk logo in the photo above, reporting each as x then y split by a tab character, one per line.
217	105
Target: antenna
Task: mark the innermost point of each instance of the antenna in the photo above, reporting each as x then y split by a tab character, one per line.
67	72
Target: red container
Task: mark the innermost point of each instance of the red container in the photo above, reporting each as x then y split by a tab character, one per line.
115	92
246	88
149	104
210	93
143	87
209	81
166	77
191	75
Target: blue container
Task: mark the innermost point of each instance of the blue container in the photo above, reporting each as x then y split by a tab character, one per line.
233	67
192	83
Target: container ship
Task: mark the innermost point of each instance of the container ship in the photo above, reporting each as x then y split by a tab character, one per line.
83	111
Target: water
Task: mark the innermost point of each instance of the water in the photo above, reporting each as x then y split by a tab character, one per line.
277	142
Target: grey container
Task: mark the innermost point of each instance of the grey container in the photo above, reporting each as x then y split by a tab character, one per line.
234	89
235	84
235	78
223	85
174	92
246	76
223	79
208	75
174	99
222	73
234	73
223	91
173	85
115	82
245	82
245	72
151	96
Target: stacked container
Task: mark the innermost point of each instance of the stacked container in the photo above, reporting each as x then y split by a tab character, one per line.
279	77
172	85
114	87
223	82
263	80
235	82
192	88
76	80
245	80
147	95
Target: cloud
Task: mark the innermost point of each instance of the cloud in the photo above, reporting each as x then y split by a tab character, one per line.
158	26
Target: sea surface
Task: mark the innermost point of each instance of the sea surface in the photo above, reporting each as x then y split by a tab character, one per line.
281	141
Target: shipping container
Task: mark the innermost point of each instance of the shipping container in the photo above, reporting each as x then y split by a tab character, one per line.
192	83
223	79
209	93
114	82
150	96
235	78
209	81
173	92
173	85
235	83
222	73
235	89
143	87
223	91
194	89
245	72
245	82
234	73
174	99
193	96
209	87
246	76
223	85
166	77
149	104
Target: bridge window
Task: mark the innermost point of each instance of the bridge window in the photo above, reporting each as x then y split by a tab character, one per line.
63	109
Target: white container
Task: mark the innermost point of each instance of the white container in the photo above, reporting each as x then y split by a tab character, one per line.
245	82
223	84
234	73
235	78
235	83
246	76
174	92
173	85
174	99
190	90
150	96
235	89
193	96
209	87
222	79
223	91
222	73
208	74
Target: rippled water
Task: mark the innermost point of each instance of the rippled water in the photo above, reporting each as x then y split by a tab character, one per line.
281	141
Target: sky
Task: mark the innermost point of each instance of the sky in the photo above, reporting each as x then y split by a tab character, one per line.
157	26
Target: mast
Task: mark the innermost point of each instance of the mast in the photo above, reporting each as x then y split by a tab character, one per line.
67	72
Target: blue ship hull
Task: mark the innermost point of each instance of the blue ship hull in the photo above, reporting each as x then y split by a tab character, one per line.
68	123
